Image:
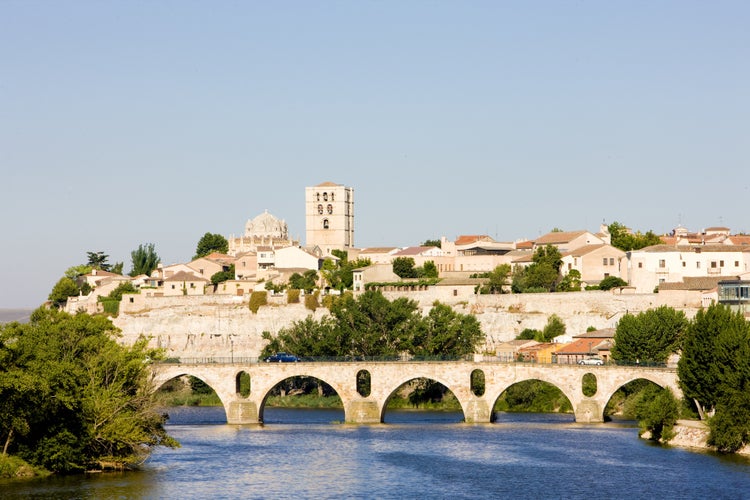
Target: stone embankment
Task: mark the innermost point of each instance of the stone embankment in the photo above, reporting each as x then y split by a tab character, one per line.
693	435
220	326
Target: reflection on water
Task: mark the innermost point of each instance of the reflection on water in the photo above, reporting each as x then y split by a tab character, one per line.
300	453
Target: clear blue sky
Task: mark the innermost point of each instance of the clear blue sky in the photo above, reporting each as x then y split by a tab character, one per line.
129	122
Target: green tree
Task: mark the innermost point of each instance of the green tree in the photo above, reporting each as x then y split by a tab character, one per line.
210	243
144	260
657	412
611	282
649	337
98	260
307	281
63	289
403	267
625	240
444	332
432	243
498	280
554	328
714	372
429	270
90	400
77	271
571	282
222	276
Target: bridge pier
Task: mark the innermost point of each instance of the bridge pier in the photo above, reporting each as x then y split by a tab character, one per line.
589	411
478	411
362	412
242	412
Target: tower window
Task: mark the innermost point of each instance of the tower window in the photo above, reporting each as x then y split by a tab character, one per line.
317	196
320	209
329	208
325	196
325	223
331	196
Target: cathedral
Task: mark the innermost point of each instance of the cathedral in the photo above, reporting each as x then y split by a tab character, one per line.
329	222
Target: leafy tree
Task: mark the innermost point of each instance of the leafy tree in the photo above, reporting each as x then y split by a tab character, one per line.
611	282
554	328
90	400
498	280
657	412
340	274
429	270
76	271
122	288
404	268
221	276
98	260
571	282
542	274
63	289
650	336
625	240
371	325
432	243
307	281
446	332
528	334
210	243
714	372
117	268
144	260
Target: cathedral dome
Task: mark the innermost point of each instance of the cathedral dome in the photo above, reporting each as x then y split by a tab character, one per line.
265	225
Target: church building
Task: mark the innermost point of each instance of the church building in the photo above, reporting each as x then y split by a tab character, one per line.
329	217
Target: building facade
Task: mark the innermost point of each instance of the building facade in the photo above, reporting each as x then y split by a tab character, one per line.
329	217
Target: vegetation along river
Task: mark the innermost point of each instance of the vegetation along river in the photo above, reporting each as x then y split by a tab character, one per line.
305	453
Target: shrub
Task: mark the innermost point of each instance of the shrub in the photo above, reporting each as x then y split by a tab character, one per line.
292	296
311	301
258	299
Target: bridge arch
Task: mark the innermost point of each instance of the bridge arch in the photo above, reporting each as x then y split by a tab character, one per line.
217	383
398	383
263	393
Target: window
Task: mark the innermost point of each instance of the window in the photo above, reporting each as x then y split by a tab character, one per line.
684	263
317	196
455	292
611	261
721	263
604	261
329	208
713	264
320	209
697	265
331	196
662	263
736	263
325	223
325	196
640	265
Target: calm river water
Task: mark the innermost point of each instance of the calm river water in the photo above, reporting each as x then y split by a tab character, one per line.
305	454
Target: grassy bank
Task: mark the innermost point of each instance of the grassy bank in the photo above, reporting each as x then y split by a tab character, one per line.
15	468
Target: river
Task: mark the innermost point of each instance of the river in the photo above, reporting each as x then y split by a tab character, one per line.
307	454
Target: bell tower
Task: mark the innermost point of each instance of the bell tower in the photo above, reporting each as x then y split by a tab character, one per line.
329	217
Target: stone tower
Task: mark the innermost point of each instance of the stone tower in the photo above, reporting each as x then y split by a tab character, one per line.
329	217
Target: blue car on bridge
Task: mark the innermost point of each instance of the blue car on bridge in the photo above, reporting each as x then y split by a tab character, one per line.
282	357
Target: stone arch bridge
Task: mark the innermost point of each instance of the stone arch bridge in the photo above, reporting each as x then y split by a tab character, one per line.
386	378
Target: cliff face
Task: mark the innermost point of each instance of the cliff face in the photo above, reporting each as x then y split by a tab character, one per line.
220	326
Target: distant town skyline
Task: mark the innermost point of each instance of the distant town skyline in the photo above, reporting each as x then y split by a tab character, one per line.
132	123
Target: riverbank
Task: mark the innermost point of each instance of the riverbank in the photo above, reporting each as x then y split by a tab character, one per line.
693	435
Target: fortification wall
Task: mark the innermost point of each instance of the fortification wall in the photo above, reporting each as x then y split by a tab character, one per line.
220	326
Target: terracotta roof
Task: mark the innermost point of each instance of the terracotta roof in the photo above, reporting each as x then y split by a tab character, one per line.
700	283
582	346
466	239
525	245
327	184
716	228
695	248
740	239
604	333
588	249
184	276
558	237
